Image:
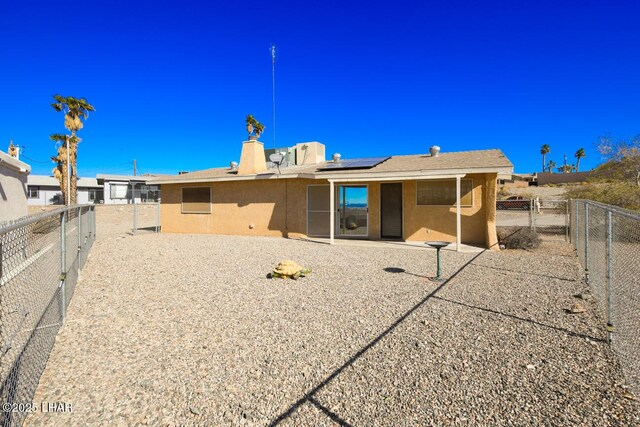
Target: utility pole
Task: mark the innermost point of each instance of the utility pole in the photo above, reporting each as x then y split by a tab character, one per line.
273	89
134	167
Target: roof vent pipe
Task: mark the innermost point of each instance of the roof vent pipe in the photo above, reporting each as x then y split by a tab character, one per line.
434	150
336	157
233	165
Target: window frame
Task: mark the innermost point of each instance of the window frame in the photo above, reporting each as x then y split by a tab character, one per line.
182	210
31	187
454	184
119	184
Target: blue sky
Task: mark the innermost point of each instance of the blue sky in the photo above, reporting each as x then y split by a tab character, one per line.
173	81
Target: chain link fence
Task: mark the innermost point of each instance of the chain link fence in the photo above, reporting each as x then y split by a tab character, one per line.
543	216
40	257
146	208
607	242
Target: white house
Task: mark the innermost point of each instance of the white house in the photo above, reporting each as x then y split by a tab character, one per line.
108	189
13	187
45	190
118	189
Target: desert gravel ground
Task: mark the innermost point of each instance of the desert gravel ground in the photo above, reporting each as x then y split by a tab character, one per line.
187	330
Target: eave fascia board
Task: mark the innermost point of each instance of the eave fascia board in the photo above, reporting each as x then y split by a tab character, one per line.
223	179
379	176
412	174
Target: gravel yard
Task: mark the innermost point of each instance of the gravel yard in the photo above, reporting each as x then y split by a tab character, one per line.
187	330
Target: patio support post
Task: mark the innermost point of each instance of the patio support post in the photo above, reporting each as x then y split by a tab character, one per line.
458	222
332	218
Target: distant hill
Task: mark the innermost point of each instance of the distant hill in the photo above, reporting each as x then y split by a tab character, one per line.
615	182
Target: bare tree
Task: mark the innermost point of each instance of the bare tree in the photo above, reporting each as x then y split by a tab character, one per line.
624	154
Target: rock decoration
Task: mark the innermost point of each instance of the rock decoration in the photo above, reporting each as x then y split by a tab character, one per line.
288	269
577	309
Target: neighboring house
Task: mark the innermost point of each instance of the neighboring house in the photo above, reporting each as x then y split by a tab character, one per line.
107	189
45	190
13	187
450	196
118	189
545	178
515	180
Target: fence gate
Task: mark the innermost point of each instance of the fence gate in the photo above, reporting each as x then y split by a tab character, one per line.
551	218
547	217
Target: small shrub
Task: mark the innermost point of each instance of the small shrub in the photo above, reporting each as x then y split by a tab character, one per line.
503	193
518	238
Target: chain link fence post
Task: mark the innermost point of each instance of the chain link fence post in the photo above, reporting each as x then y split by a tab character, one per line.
586	240
567	221
135	208
576	225
63	265
609	279
79	232
531	214
158	218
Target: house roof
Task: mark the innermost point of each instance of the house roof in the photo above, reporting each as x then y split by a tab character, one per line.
462	162
13	163
49	181
127	178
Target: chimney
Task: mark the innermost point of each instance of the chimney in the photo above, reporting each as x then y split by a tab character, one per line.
252	160
310	153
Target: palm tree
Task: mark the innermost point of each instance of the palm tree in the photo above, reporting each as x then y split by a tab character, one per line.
544	150
75	110
253	126
551	165
579	155
566	168
60	171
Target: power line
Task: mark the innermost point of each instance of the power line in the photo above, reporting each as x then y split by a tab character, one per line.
36	161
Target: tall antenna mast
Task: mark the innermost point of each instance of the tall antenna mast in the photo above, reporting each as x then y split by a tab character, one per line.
273	89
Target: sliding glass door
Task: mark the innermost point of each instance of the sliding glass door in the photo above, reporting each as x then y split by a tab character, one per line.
353	211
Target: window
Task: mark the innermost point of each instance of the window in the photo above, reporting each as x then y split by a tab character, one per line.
92	194
442	192
196	200
34	192
119	191
149	193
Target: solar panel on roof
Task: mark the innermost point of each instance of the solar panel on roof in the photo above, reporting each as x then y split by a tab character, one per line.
363	163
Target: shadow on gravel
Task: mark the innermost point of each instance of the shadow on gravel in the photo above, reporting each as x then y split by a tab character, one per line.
528	273
402	270
522	319
310	395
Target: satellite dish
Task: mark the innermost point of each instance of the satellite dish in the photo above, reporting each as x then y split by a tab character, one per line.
277	158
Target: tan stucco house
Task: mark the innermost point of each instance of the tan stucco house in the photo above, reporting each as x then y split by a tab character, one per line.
438	196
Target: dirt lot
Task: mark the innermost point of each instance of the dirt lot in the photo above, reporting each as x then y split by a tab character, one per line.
187	330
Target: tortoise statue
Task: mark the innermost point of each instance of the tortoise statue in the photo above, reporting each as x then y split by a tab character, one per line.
289	269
